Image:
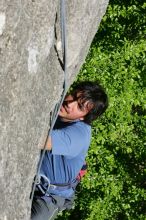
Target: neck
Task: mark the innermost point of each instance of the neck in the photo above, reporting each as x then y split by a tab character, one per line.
68	120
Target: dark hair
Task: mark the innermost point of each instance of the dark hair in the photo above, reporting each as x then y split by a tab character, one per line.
95	95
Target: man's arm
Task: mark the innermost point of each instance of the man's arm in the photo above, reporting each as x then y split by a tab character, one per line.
48	144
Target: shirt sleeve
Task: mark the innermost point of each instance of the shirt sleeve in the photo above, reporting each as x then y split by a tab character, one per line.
70	141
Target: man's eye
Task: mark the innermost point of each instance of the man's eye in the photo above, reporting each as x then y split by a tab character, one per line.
81	107
66	102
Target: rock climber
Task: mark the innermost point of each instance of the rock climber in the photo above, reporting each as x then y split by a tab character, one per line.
66	149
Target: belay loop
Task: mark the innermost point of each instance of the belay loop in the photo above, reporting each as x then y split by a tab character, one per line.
43	184
54	113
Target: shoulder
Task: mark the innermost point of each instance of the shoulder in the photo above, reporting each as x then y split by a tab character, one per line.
79	132
78	127
82	127
71	139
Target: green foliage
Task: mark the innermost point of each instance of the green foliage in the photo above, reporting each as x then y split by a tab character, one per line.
114	187
124	20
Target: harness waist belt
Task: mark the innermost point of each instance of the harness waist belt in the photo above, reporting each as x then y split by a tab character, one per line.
45	186
60	187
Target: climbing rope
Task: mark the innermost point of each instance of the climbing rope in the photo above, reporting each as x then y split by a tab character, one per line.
54	113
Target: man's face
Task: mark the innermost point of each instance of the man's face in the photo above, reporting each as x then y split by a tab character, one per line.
72	108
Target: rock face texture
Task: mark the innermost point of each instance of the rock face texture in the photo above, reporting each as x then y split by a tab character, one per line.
31	83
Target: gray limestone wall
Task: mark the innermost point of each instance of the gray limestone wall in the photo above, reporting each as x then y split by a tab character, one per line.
31	83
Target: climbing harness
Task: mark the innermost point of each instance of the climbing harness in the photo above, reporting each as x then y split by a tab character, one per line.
43	185
54	113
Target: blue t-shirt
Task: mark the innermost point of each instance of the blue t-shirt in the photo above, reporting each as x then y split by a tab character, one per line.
70	143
